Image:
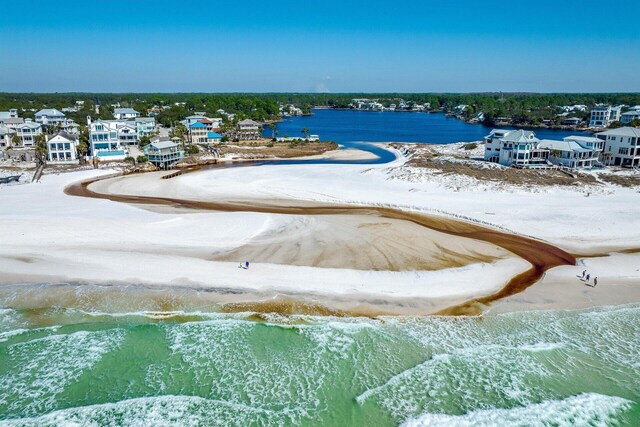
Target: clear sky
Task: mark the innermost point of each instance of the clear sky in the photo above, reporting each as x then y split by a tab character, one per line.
324	46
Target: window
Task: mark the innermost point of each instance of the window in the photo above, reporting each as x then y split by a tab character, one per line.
60	146
623	150
67	146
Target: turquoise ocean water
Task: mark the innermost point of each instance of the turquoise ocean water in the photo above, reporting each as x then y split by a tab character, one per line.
78	365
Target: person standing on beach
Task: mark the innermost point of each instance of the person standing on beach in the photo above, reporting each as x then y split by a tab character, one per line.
583	273
595	281
588	276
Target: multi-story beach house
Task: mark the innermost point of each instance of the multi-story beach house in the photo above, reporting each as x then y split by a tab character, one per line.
70	127
519	148
145	126
50	117
62	149
629	116
198	133
163	153
569	153
621	147
589	142
5	136
125	113
106	136
27	132
603	115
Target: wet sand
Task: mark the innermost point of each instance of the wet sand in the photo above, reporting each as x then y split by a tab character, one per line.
542	256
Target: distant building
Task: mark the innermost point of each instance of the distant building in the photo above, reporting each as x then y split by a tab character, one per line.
515	148
569	153
603	115
62	148
572	121
621	147
629	116
5	136
246	130
163	154
11	114
198	133
214	138
50	117
125	113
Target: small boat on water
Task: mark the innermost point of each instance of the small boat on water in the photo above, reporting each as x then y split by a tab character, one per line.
8	179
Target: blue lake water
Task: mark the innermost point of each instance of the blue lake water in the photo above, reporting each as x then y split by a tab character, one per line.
347	127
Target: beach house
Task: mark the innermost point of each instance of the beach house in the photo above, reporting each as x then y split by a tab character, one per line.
603	115
621	147
198	133
5	115
62	149
590	142
629	116
125	113
569	153
145	126
27	132
105	139
5	136
50	117
163	153
519	148
248	130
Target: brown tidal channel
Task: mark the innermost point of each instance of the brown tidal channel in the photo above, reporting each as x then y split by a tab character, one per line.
542	256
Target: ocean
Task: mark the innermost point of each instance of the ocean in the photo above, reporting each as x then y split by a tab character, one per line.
107	358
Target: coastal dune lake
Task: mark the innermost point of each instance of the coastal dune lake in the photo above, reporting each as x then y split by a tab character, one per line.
110	358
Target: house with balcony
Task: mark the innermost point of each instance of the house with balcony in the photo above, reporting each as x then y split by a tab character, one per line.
629	116
27	132
198	133
589	142
62	149
105	139
70	127
603	115
50	117
6	134
164	153
621	147
569	153
145	126
125	113
518	148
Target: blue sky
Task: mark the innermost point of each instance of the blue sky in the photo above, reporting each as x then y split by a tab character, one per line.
328	46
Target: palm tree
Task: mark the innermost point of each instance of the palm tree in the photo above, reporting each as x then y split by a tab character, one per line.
273	130
15	140
306	131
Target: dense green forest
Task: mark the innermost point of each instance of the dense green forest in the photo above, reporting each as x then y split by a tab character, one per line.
521	107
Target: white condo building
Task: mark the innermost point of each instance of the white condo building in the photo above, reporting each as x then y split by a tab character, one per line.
108	138
621	147
27	132
603	115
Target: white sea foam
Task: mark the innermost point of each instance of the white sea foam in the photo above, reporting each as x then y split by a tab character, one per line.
162	411
47	365
585	409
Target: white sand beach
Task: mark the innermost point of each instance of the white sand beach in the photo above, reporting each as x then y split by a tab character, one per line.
50	236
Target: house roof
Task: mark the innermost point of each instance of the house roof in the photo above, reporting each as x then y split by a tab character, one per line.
519	136
64	135
32	125
552	144
125	111
631	113
5	115
206	121
248	122
211	135
145	119
197	125
163	144
580	139
196	117
625	131
50	112
13	121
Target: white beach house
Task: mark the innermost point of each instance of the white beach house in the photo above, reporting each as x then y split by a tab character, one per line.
125	113
105	139
621	147
515	148
145	126
62	149
50	117
590	142
27	132
569	153
629	116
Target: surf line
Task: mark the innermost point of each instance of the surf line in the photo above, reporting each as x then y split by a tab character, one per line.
541	255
